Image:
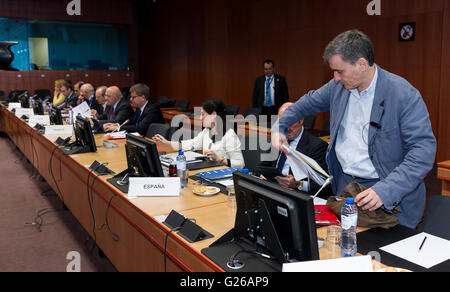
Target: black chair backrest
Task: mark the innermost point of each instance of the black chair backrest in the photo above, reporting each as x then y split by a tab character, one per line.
256	111
252	151
42	93
171	102
183	104
232	109
2	93
437	217
309	122
326	125
179	134
156	128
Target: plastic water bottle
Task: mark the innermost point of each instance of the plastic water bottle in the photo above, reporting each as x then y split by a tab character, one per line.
182	169
349	220
70	116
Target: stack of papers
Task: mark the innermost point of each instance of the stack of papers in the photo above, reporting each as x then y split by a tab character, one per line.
303	166
191	157
117	135
82	110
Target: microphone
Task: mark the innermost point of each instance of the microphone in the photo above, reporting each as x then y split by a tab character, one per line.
124	123
375	124
327	182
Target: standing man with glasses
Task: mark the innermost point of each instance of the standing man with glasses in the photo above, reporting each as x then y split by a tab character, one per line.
381	134
270	91
146	113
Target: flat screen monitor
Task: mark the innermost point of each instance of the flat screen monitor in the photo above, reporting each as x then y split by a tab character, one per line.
84	136
55	116
277	219
143	157
24	100
38	108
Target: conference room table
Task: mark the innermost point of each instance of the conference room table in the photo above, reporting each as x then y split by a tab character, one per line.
128	231
444	175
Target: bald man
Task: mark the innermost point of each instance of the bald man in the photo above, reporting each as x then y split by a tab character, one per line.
307	144
118	109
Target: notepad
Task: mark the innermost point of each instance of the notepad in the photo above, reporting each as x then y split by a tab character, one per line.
434	251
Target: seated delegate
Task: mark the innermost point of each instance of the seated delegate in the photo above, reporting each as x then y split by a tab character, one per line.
218	143
146	113
305	143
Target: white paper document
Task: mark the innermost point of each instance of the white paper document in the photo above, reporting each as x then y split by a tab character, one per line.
83	110
348	264
300	163
434	250
191	157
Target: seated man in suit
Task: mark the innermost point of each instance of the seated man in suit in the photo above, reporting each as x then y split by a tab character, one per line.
118	109
101	100
270	90
307	144
71	97
146	113
87	92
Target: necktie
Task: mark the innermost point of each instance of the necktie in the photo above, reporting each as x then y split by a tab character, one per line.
111	114
138	116
268	91
282	160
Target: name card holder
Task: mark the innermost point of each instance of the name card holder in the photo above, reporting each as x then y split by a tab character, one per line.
13	105
43	120
154	187
59	130
24	112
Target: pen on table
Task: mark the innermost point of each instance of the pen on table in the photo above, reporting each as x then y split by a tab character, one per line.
422	243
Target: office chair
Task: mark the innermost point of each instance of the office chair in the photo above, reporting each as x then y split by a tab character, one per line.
256	111
232	109
309	122
156	128
326	125
179	134
183	104
437	217
171	102
42	93
252	154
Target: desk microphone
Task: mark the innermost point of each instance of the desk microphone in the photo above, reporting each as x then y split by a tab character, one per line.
327	182
375	124
124	123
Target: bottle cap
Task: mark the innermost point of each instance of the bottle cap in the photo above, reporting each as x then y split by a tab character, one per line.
245	170
349	201
180	152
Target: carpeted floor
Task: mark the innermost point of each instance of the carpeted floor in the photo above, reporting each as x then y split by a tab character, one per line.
62	242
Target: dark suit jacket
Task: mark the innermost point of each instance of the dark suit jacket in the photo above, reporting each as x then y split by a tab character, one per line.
315	148
71	100
95	105
123	112
151	114
281	91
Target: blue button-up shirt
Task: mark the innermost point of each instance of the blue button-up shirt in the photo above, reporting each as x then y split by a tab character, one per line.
352	148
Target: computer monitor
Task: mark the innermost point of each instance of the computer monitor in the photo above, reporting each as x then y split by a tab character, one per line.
55	116
38	107
83	134
24	100
143	157
85	141
278	219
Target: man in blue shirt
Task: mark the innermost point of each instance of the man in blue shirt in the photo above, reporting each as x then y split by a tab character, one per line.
380	129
